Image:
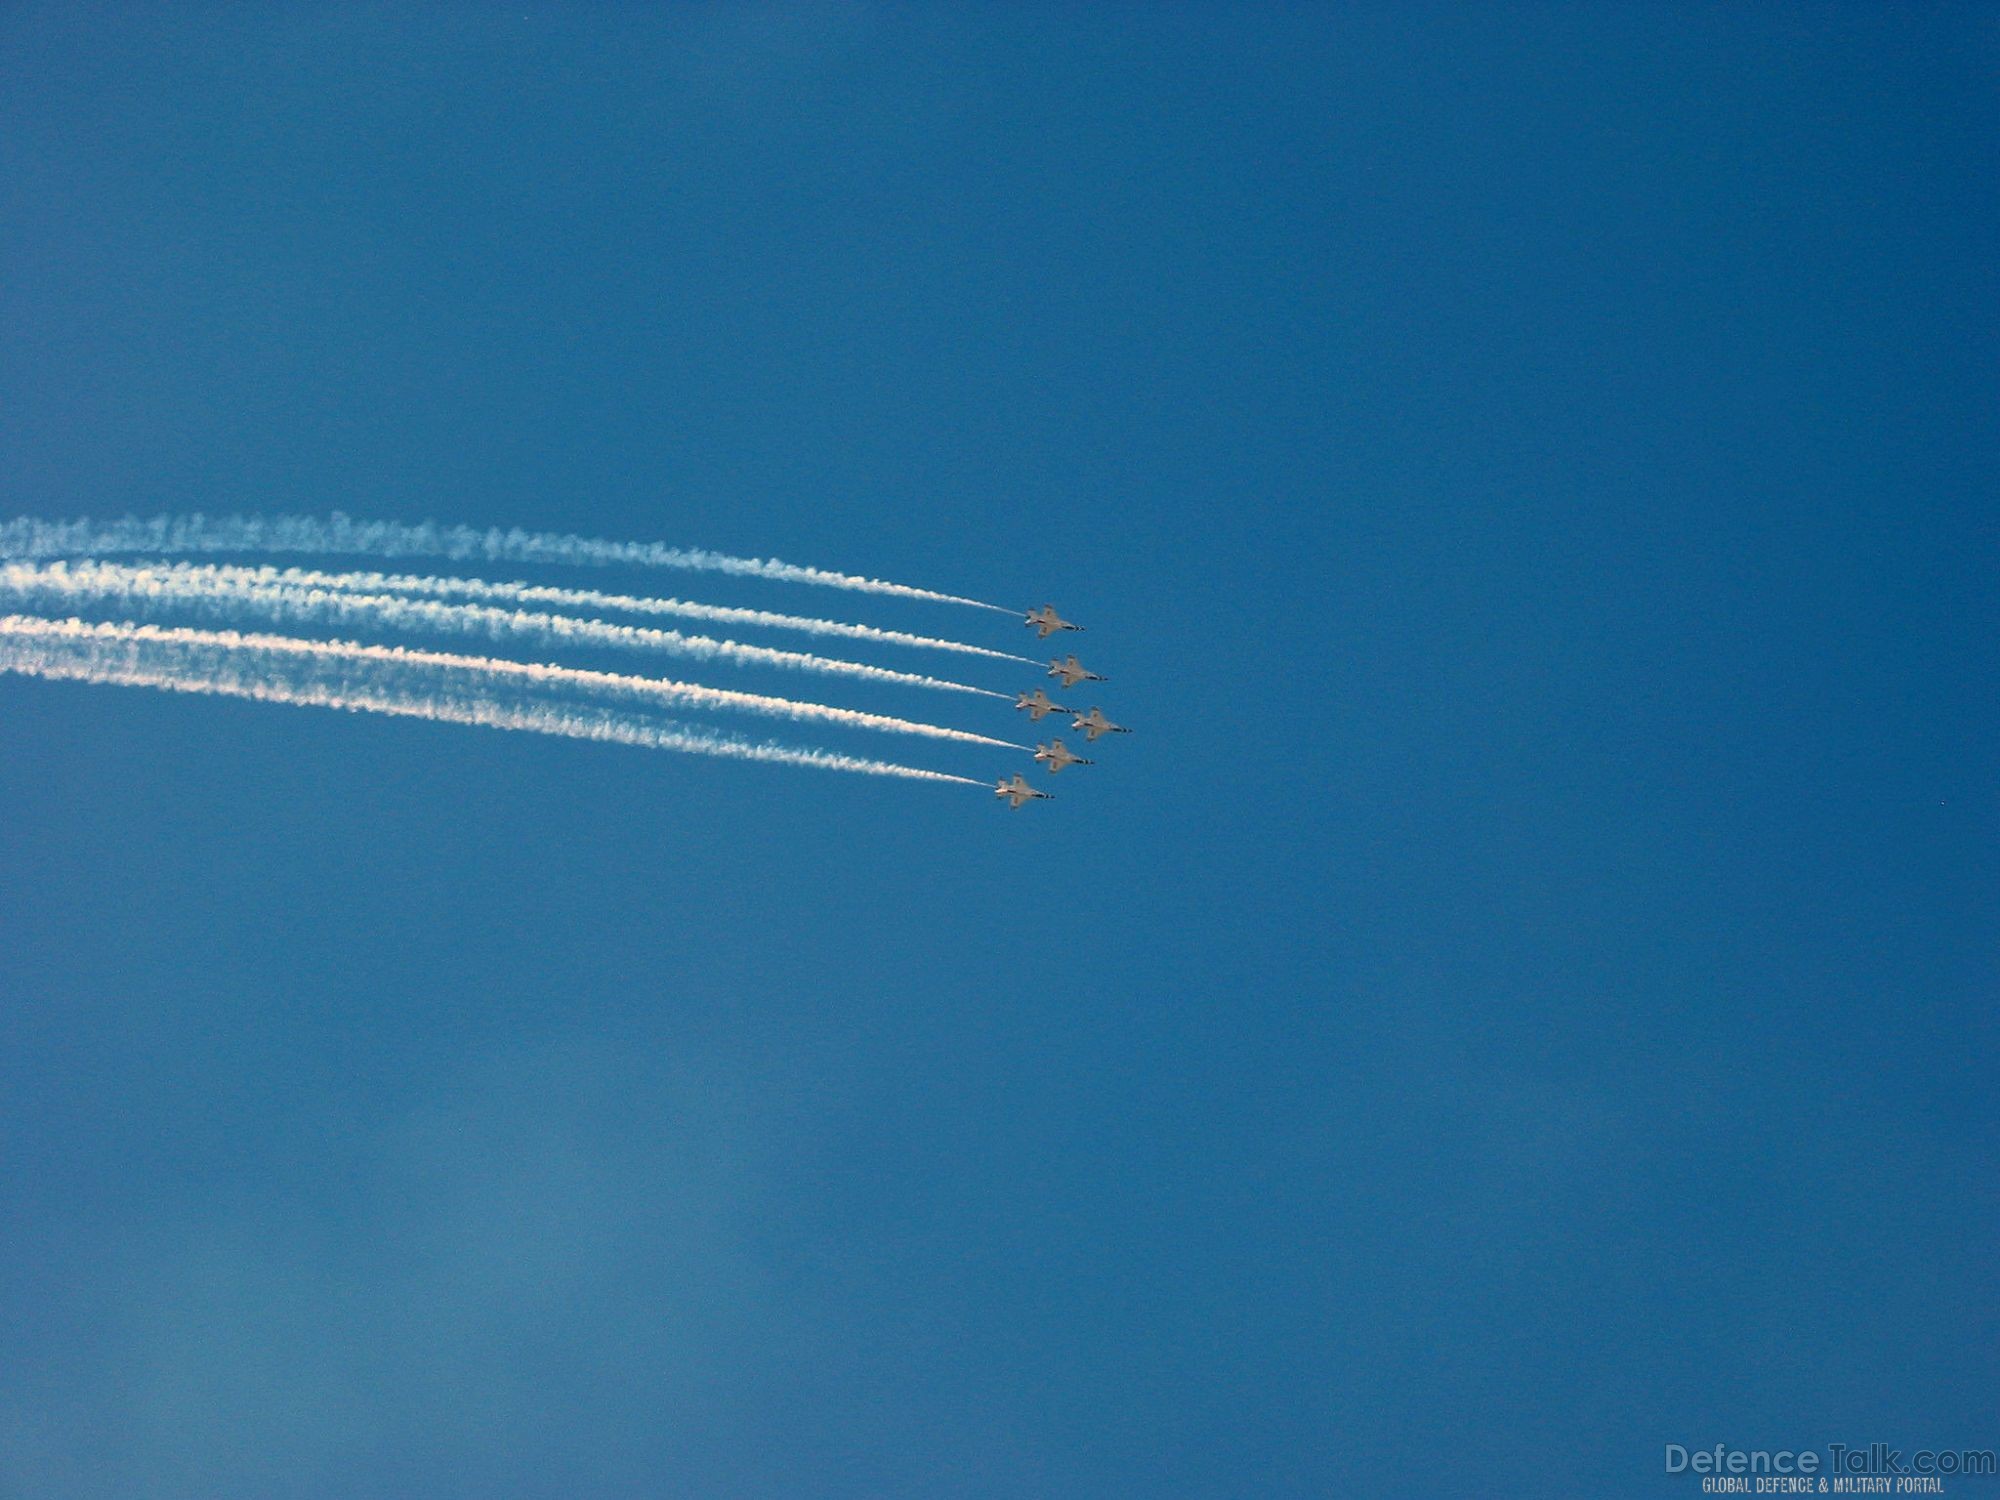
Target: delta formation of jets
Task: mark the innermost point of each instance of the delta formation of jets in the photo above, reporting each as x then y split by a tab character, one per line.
1016	790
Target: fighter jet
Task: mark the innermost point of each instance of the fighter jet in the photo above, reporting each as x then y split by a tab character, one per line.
1094	723
1018	791
1046	622
1055	755
1072	671
1039	703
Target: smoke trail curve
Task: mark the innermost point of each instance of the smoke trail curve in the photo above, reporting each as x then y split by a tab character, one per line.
137	587
143	656
519	594
500	671
339	534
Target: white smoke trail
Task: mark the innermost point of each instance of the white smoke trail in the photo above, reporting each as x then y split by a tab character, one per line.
499	674
518	595
253	667
341	535
141	587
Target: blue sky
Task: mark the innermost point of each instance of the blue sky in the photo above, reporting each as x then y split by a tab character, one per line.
1525	996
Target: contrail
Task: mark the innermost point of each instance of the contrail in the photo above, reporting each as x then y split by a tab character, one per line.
520	594
251	667
611	685
139	586
339	534
501	673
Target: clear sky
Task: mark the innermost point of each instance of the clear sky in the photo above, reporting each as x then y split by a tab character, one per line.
1524	997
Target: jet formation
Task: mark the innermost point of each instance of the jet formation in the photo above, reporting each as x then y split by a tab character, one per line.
1016	791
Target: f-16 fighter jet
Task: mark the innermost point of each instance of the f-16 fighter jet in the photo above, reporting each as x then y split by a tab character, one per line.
1055	755
1018	791
1072	671
1094	723
1039	703
1046	622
